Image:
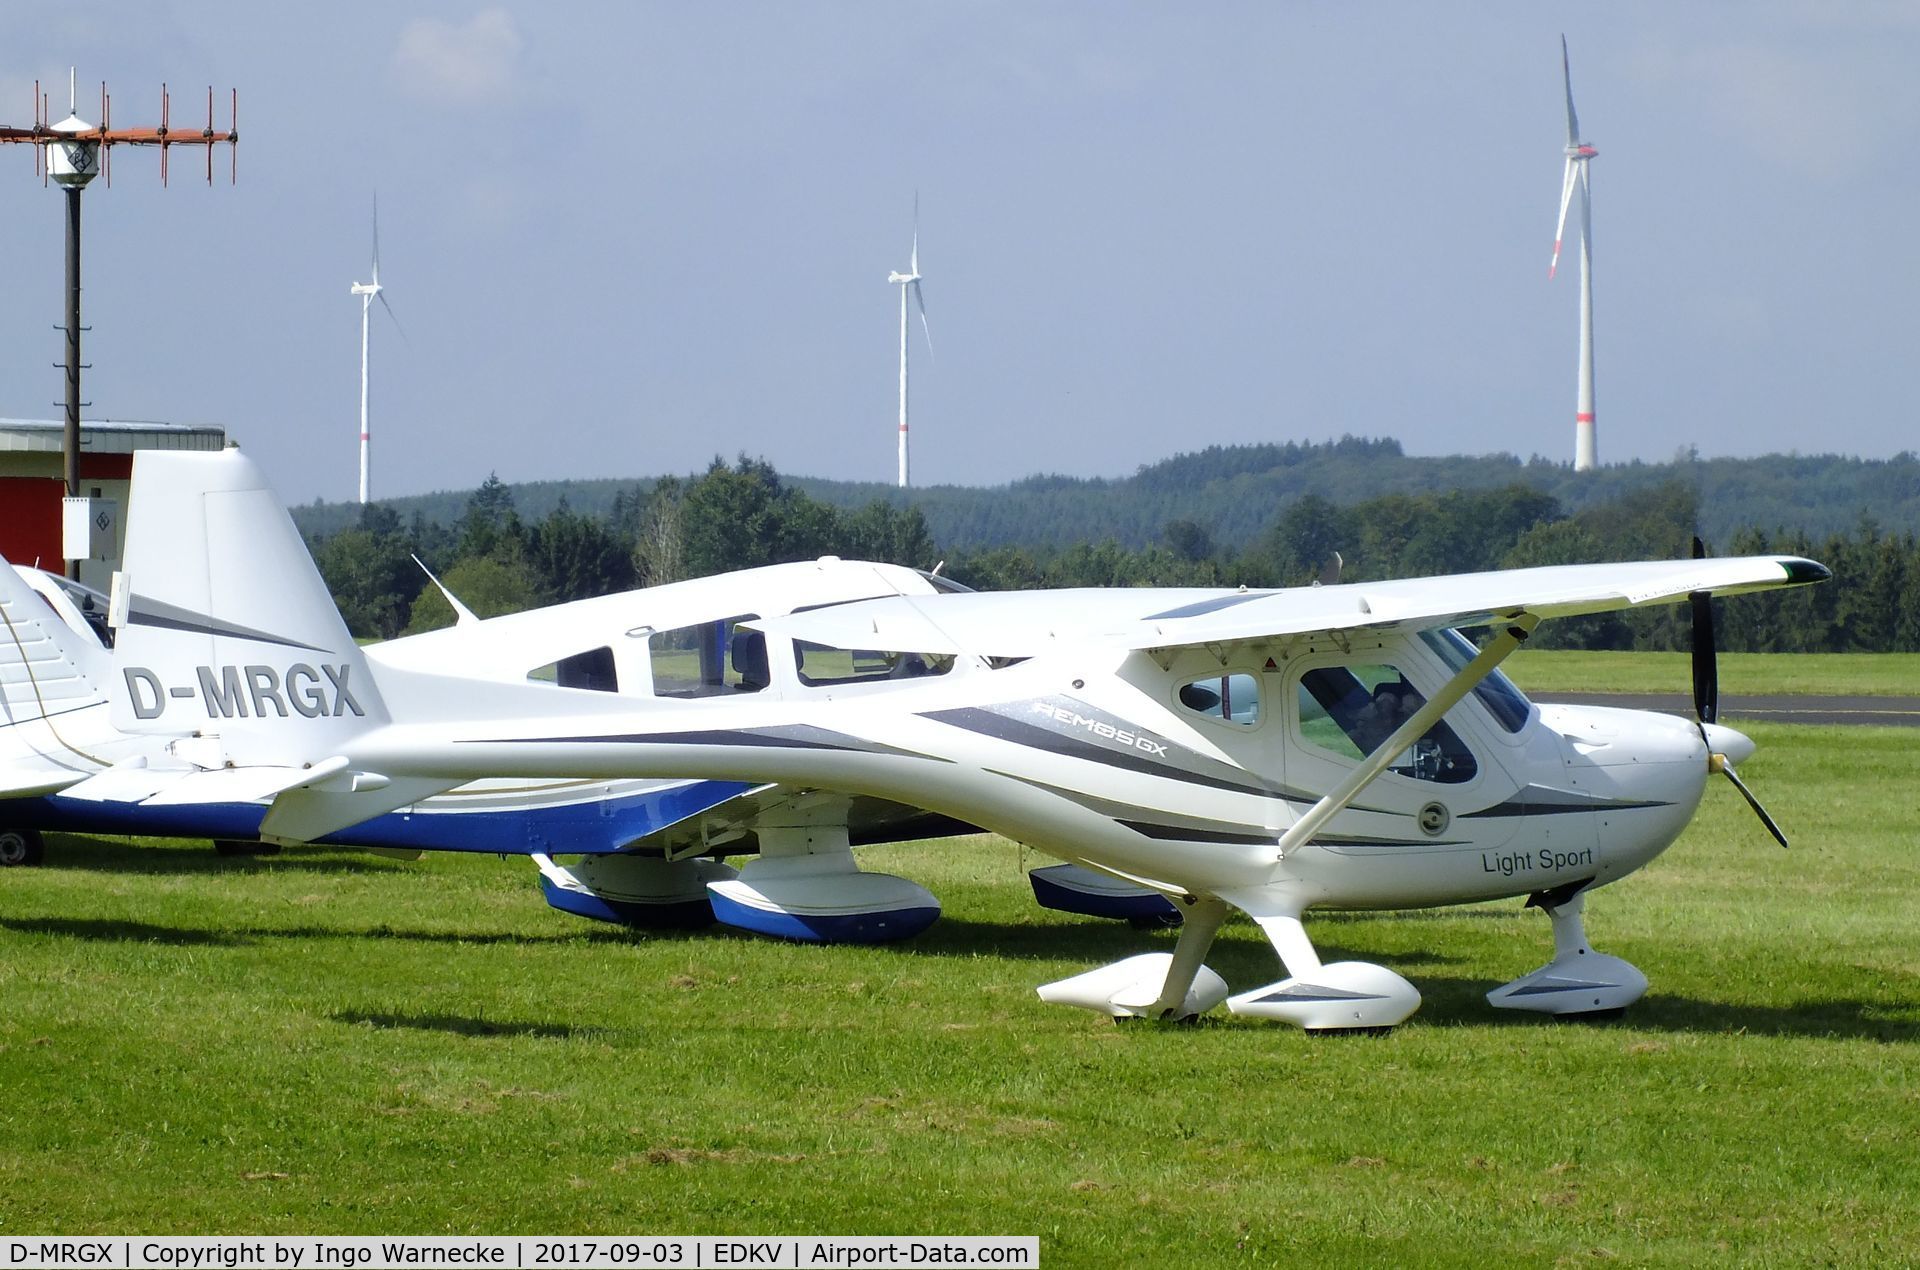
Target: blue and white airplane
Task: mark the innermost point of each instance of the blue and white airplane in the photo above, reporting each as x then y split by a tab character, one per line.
1266	752
650	851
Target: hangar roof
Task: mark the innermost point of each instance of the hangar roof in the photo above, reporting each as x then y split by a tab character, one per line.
110	436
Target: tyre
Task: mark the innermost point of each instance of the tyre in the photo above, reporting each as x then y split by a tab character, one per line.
21	847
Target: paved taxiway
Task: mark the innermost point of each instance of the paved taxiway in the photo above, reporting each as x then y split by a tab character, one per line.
1885	712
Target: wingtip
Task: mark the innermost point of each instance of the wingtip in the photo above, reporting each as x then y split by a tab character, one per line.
1801	572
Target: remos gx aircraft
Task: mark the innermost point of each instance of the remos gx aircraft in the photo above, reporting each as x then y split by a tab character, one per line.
1269	751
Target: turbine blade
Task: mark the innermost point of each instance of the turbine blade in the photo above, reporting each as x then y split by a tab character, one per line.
921	300
1560	230
1566	74
913	265
376	239
381	295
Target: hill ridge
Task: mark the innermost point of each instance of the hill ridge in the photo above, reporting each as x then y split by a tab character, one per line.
1234	492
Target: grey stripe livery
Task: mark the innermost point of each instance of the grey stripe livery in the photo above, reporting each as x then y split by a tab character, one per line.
142	611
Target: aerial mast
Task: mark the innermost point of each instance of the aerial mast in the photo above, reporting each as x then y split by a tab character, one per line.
70	154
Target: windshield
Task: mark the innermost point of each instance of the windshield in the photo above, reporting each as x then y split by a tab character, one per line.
1506	703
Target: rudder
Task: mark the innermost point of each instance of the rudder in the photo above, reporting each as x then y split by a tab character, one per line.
225	627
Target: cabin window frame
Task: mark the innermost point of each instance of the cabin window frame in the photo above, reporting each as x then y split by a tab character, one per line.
1419	667
1253	673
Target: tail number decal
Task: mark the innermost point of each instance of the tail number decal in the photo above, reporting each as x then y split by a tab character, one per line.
239	692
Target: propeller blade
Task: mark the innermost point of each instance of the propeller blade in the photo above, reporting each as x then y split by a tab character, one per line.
921	300
376	241
1560	230
1706	663
1566	74
381	295
1754	803
913	262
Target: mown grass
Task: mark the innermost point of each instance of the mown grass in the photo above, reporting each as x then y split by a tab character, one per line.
1741	674
330	1043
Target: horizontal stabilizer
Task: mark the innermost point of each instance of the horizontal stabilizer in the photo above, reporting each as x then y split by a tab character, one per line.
308	814
34	784
242	784
137	782
129	782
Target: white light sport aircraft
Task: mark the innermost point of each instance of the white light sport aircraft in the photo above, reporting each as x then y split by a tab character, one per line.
1271	751
651	851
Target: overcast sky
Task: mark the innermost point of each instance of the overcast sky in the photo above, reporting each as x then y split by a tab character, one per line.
626	237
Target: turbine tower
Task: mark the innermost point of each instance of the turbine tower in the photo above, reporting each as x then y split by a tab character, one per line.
367	291
1579	154
909	281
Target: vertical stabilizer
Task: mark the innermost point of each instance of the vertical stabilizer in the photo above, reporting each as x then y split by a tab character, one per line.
225	627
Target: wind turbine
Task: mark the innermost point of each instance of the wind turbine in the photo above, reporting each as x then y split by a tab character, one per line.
1579	154
909	281
367	291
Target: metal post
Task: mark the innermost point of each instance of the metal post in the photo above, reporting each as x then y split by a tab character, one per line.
72	440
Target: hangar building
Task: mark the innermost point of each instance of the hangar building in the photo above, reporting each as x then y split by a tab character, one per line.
31	482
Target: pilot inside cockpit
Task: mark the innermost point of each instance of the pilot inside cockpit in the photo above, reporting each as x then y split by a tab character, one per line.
1392	704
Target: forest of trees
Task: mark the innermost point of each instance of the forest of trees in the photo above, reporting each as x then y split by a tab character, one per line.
1234	492
743	514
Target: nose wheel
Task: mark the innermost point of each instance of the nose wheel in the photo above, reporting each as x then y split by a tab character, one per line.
1578	982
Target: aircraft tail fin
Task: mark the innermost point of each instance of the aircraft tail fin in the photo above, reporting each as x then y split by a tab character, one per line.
225	628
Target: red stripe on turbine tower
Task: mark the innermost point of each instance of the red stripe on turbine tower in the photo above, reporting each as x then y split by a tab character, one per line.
1582	417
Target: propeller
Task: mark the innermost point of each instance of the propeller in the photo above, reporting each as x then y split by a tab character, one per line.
1706	700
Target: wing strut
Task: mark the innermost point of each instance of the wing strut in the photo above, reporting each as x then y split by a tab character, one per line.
1337	798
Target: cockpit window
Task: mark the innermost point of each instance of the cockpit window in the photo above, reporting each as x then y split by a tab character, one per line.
819	664
1231	698
708	659
592	670
1351	710
1506	703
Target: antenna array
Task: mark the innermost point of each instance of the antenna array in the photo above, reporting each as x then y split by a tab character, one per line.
99	139
70	154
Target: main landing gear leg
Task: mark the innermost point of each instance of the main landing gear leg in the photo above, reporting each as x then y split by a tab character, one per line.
1175	985
1346	996
1176	999
1578	981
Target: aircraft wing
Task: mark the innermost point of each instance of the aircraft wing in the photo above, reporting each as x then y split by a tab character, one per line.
1029	623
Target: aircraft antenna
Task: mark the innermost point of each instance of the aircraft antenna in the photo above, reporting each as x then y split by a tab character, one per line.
70	154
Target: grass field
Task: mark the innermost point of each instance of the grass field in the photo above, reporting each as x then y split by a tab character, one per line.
330	1043
1741	674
